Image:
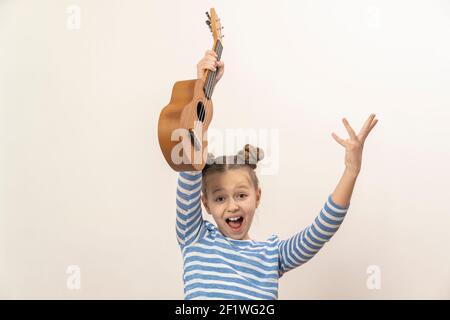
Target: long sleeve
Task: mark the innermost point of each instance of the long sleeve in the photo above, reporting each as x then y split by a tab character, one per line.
301	247
189	223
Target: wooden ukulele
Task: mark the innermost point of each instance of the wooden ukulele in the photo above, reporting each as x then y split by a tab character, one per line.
183	123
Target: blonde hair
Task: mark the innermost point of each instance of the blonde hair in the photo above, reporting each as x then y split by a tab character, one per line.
246	158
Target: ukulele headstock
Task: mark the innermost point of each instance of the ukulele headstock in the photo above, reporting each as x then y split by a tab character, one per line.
214	25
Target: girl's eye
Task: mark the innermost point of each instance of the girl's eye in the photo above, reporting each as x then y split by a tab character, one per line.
241	196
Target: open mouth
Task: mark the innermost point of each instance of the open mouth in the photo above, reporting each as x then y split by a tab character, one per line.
235	223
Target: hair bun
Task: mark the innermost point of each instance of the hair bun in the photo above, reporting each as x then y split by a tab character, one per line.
251	155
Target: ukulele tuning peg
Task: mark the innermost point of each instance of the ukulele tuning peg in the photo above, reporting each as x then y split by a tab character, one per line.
208	22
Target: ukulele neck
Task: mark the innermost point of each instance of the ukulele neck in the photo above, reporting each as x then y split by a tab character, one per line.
208	88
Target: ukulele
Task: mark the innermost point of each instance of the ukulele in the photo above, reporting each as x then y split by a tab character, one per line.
184	122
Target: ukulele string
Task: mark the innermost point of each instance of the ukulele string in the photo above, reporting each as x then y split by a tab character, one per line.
209	85
206	104
209	88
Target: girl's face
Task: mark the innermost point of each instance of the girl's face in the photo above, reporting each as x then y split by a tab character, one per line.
232	200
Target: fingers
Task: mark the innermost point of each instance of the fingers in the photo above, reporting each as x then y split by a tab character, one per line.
221	67
368	122
210	53
366	127
349	129
209	61
365	130
373	124
211	56
338	139
208	65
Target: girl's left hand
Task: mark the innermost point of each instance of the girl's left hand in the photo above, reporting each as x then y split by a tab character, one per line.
354	145
210	62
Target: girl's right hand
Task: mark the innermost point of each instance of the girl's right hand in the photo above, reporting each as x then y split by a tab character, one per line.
209	62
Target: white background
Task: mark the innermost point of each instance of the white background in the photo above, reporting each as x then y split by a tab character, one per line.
83	181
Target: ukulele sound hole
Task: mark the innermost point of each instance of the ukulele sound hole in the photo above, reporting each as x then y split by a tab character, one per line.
200	111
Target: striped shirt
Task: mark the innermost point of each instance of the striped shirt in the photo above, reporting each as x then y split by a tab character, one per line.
219	267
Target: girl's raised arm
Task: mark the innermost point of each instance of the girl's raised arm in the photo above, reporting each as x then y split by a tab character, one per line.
302	246
190	224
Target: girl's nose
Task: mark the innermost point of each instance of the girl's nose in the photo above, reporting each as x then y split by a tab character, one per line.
232	206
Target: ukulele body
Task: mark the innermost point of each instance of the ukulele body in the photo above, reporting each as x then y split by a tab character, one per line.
183	126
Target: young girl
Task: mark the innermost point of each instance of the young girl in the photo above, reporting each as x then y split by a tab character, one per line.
223	262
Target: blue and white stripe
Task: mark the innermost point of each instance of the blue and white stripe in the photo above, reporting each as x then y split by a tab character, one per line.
218	267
